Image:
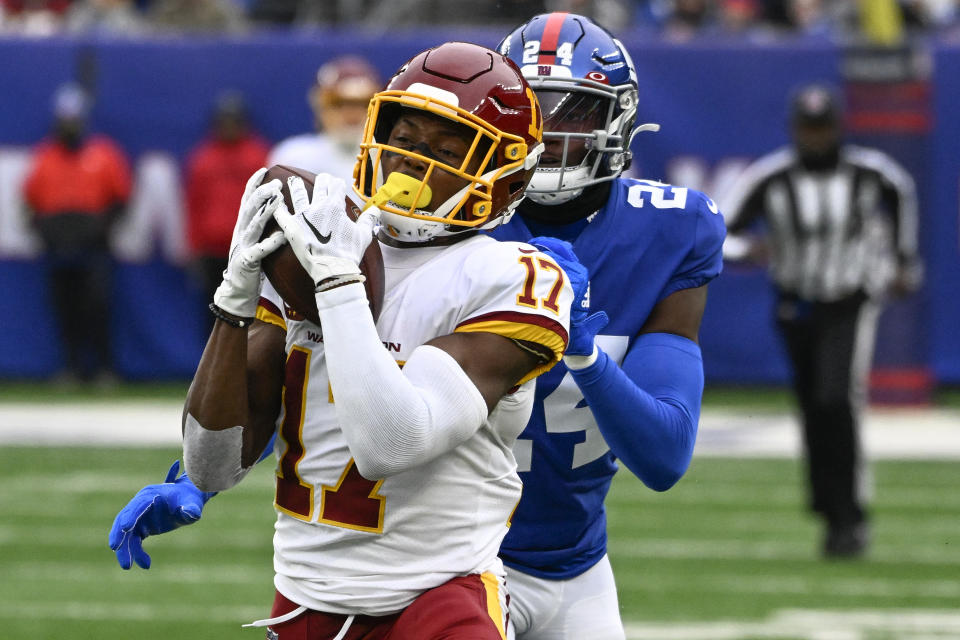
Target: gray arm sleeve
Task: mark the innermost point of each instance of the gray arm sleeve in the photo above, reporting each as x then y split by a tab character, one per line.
212	458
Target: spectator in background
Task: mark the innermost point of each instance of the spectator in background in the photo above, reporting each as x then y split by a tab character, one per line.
275	11
610	14
843	224
739	17
684	20
880	22
33	17
930	14
216	173
76	188
339	100
814	17
687	18
105	16
196	15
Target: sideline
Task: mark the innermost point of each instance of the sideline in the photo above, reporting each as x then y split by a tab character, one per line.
900	433
889	433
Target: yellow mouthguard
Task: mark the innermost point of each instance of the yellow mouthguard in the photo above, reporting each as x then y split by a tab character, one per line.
401	189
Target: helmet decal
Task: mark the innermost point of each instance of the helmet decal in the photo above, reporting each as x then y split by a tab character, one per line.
536	119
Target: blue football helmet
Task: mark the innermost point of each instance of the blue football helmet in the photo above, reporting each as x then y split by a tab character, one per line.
587	88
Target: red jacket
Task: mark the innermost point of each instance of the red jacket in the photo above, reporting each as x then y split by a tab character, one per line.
90	180
216	175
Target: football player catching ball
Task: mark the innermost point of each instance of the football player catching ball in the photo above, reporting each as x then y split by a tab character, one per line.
630	384
394	486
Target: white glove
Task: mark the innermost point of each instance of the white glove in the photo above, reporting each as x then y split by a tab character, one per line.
325	240
240	290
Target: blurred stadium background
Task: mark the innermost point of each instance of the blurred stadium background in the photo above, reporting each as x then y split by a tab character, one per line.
727	554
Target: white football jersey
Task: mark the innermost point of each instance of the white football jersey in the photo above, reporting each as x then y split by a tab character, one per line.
345	544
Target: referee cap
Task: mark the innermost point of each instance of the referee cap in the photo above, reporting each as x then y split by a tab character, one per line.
815	104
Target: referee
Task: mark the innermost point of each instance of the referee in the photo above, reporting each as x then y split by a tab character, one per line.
838	225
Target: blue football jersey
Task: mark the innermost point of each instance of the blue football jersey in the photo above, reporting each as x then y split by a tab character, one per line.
648	241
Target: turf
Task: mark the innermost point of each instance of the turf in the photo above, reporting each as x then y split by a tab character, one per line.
729	544
29	392
715	396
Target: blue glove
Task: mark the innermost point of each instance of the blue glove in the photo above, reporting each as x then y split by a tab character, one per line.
157	508
584	326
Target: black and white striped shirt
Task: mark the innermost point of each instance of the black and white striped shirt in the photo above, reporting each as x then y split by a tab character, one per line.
832	233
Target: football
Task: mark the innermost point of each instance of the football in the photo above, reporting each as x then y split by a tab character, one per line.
285	272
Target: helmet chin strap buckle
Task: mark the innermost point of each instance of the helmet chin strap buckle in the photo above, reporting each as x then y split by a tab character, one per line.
617	162
533	157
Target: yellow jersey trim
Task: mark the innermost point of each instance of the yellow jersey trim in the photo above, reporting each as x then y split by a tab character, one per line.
521	331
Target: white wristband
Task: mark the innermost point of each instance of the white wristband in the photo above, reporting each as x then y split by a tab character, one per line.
575	363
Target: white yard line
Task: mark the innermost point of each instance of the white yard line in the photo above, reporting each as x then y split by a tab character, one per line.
809	624
101	574
127	612
129	423
752	550
887	433
890	433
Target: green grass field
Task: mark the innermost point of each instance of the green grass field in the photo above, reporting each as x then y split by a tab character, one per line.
727	554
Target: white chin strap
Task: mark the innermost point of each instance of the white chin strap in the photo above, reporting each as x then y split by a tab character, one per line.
557	186
407	229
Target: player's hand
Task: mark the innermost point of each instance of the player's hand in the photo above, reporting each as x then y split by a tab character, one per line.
584	326
907	279
156	509
325	240
240	290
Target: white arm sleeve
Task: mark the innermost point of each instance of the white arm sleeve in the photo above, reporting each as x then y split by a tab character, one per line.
393	419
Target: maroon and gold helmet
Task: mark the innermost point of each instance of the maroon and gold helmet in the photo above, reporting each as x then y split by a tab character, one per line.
347	79
472	86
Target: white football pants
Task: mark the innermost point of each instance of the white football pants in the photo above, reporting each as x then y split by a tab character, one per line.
582	607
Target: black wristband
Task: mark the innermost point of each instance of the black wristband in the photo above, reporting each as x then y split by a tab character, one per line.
339	281
239	323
